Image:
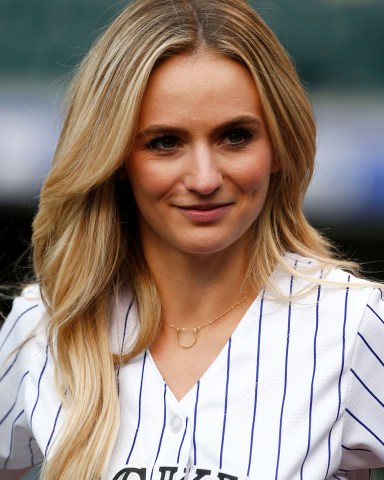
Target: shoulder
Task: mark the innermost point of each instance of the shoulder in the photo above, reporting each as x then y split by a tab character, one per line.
24	369
27	318
301	279
311	270
23	338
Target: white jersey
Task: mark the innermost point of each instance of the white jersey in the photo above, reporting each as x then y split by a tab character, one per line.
296	393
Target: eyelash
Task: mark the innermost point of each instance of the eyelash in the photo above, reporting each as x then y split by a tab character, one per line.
153	144
247	136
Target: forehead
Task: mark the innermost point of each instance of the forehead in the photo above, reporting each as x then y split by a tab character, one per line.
199	84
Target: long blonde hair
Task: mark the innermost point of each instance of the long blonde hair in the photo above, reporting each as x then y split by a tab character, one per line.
85	234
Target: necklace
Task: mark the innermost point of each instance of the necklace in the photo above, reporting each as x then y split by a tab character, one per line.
187	336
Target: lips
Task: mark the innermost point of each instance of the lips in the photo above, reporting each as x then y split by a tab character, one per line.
205	212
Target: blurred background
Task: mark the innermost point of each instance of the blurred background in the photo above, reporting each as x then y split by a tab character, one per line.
337	45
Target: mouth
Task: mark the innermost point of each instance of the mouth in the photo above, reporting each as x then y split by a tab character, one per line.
205	206
205	212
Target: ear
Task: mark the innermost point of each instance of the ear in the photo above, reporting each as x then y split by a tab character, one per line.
276	163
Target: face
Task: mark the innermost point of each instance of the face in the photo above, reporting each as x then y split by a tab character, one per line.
202	158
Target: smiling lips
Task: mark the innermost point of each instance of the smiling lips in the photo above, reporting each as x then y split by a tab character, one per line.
206	212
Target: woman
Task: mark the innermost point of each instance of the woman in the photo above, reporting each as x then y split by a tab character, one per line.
189	323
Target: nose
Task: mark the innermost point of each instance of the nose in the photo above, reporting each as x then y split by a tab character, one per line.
203	175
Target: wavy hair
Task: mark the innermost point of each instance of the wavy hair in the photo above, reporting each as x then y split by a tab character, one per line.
85	234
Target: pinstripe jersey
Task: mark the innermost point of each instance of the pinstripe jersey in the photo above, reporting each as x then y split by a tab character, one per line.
296	393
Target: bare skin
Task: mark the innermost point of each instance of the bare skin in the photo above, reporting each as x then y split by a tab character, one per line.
201	300
200	174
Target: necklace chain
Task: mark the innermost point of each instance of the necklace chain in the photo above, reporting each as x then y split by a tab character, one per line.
187	336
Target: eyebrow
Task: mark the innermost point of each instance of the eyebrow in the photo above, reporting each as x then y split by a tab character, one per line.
160	129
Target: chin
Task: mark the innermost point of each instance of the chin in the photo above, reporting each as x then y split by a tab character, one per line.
210	248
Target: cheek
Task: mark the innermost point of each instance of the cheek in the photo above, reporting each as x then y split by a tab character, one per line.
254	181
151	185
254	174
146	181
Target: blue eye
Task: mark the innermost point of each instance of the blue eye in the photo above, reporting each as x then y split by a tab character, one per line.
167	142
238	136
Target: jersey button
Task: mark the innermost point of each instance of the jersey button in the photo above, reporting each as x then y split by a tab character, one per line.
176	424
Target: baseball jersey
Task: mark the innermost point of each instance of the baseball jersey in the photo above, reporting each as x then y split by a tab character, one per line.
296	393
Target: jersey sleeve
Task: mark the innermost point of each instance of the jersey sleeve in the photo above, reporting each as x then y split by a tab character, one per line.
363	437
18	448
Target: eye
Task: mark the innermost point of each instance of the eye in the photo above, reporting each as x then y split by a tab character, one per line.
238	137
166	142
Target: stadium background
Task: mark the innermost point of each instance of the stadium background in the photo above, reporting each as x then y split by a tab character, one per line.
337	46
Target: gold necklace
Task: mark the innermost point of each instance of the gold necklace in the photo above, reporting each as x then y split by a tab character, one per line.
187	336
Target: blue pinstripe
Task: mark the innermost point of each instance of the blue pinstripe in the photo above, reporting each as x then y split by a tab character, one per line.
370	348
181	445
125	326
53	430
256	382
139	414
14	325
225	402
356	449
162	431
11	443
31	451
364	426
195	421
17	396
122	346
366	388
182	440
312	381
12	365
285	380
340	375
38	385
375	313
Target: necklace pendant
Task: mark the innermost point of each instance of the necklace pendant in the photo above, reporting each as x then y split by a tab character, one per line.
187	337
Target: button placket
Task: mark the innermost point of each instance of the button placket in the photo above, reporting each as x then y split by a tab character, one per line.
176	423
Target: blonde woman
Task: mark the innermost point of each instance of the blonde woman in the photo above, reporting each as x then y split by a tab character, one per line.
187	322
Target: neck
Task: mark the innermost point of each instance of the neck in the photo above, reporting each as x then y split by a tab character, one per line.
196	287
